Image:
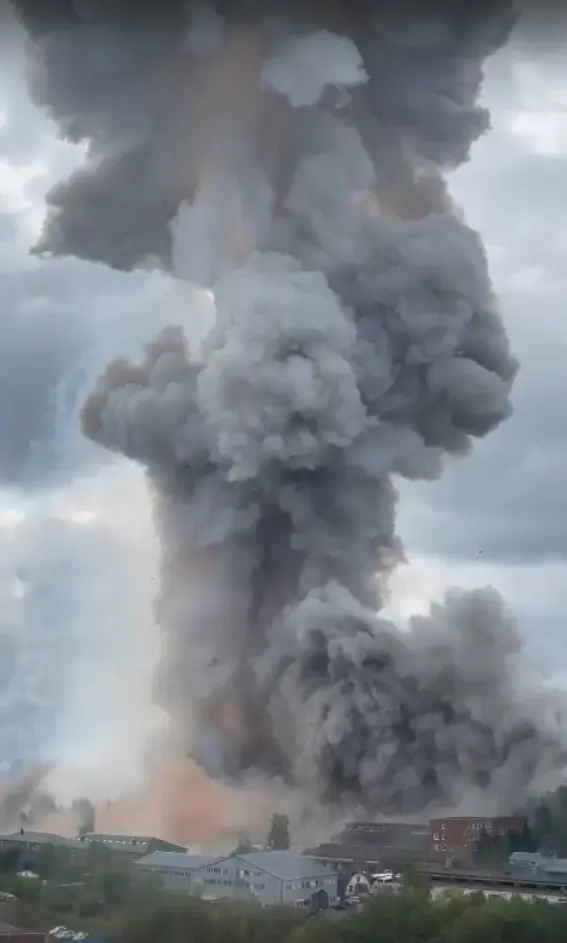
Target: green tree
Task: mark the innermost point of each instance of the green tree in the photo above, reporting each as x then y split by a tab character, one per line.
243	847
90	904
175	919
9	861
278	836
60	898
47	862
99	858
28	889
115	887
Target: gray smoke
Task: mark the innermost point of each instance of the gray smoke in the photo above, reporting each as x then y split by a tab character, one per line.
292	162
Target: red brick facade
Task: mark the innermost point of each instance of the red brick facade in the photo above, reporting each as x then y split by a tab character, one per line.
455	835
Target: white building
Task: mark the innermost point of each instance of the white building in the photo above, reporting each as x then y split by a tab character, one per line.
268	877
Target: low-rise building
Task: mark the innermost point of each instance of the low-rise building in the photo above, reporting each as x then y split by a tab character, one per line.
370	846
534	864
525	862
29	844
177	870
267	877
136	846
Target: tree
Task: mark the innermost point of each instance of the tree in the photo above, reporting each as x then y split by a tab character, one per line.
89	904
115	887
59	898
9	861
278	836
99	858
28	888
46	865
243	847
177	919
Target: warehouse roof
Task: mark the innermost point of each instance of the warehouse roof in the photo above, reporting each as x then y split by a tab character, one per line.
178	861
528	856
40	838
286	865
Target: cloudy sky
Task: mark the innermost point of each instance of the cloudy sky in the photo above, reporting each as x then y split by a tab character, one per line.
78	560
499	516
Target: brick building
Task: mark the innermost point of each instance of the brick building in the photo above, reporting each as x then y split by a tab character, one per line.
372	846
457	835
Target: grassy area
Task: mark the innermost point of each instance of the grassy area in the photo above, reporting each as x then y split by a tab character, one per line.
31	915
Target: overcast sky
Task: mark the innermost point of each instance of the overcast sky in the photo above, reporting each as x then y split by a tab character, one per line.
77	554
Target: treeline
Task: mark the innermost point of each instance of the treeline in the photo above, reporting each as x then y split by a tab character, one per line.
544	830
409	917
277	838
90	893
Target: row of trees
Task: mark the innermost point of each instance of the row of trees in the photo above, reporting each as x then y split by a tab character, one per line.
409	917
99	886
278	838
544	829
412	916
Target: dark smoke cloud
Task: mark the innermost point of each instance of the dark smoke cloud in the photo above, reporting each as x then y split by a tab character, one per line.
110	73
293	162
21	799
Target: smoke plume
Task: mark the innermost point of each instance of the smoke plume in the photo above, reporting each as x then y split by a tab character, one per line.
289	158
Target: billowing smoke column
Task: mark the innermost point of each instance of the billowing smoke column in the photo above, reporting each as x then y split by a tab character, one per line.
290	157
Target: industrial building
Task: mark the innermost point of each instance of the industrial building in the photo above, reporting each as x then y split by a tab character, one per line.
370	846
179	871
367	846
30	843
133	845
267	877
457	835
534	864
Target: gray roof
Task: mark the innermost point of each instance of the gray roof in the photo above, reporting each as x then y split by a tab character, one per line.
387	835
555	865
527	856
368	852
120	842
176	860
41	838
286	865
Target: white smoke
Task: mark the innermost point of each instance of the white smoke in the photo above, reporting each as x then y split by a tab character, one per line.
304	66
